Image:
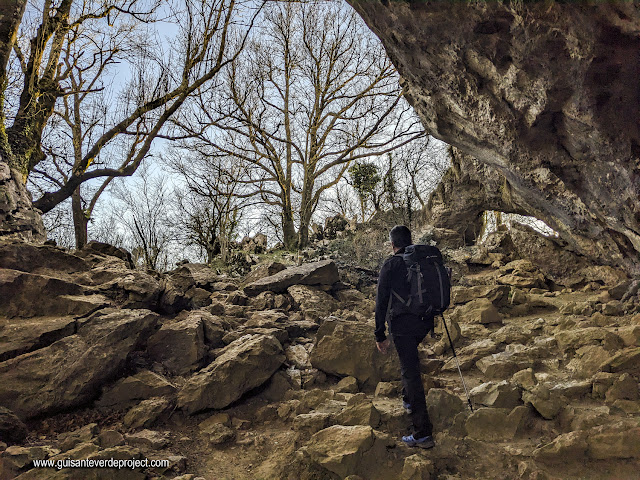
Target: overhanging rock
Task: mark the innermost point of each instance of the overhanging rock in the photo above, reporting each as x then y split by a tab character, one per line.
545	93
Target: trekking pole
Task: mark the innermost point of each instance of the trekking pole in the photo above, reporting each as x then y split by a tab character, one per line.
457	363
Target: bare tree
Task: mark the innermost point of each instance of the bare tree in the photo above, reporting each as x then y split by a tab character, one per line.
207	209
56	69
144	215
420	167
313	92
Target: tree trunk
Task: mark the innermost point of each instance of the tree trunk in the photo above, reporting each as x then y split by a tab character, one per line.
10	19
289	236
18	218
303	233
80	220
305	221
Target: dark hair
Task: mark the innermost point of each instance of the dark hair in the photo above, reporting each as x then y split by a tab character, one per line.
400	236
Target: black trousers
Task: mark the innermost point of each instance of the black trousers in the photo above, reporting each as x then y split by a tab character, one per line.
412	388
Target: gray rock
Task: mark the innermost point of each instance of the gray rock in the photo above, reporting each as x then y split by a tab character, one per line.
341	449
627	361
147	413
349	385
480	311
18	218
179	344
547	403
496	294
443	407
264	270
504	364
110	438
317	273
56	297
70	440
12	430
416	467
496	424
147	438
364	413
496	394
141	386
20	335
312	299
312	422
71	371
346	348
243	365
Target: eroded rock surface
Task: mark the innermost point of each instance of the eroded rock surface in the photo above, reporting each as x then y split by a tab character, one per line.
18	219
544	101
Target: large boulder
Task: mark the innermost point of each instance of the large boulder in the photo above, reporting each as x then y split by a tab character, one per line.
610	442
141	386
54	296
179	344
23	335
496	394
311	299
356	450
263	270
132	288
495	424
12	430
347	348
104	249
315	273
340	448
40	259
244	364
71	371
480	310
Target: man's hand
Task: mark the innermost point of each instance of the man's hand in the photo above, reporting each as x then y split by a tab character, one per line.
383	347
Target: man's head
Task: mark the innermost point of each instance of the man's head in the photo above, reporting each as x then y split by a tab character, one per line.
400	237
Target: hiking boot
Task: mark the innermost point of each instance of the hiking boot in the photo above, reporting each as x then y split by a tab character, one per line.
407	407
424	442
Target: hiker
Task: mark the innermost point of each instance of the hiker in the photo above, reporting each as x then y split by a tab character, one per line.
407	330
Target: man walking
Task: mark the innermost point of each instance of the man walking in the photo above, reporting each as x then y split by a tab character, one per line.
407	331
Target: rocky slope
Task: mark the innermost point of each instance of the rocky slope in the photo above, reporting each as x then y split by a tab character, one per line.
276	376
542	96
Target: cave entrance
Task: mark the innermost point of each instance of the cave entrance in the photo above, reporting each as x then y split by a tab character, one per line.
494	220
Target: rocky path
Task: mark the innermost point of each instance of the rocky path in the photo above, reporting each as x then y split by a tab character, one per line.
276	376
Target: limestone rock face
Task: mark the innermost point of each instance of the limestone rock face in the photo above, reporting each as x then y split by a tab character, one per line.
264	270
20	335
18	219
543	100
353	452
179	345
480	311
40	259
55	296
312	299
339	449
347	348
316	273
246	363
11	428
71	370
141	386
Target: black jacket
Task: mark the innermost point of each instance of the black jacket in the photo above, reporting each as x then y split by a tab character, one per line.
393	275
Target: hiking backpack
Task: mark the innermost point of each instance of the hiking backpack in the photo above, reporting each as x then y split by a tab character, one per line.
429	282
